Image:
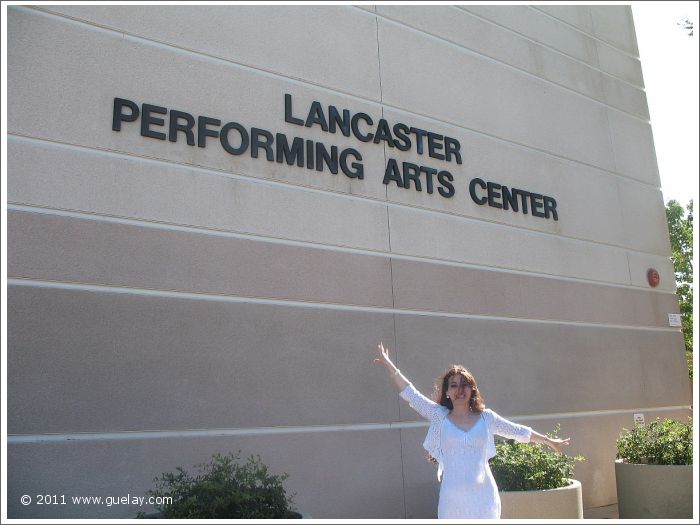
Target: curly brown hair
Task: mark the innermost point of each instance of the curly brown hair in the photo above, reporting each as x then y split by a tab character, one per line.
476	402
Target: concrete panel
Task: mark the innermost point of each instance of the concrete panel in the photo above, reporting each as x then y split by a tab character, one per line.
633	146
332	475
620	65
63	89
435	287
53	248
598	368
534	24
476	34
543	23
82	361
625	97
578	16
463	240
614	24
421	486
611	60
50	175
644	217
347	60
481	95
463	28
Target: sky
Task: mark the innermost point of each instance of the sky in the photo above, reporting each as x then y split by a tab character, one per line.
669	60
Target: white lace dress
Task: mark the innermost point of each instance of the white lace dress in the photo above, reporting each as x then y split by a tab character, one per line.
468	489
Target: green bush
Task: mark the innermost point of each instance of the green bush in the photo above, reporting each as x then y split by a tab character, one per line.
531	466
667	442
223	488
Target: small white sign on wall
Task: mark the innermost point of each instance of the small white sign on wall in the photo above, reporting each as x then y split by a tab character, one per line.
674	320
639	419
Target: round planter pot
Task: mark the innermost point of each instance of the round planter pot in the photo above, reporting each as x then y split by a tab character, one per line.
654	491
564	502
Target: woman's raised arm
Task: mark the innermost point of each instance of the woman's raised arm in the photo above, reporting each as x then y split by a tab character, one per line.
384	361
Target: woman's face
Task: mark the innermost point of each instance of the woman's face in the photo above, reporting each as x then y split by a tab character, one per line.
458	388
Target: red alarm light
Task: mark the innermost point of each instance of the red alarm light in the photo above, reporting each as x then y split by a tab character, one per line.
653	277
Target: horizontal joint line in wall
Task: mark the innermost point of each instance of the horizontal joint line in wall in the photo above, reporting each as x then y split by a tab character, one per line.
20	439
199	54
525	71
200	230
235	175
578	29
147	292
305	81
326	88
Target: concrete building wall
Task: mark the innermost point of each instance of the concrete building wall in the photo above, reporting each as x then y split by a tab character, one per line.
168	301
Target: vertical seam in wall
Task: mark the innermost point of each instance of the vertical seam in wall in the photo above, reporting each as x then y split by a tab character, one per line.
629	267
618	197
391	273
595	42
386	186
607	113
613	149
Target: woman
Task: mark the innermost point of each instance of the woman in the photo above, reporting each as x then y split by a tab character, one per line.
461	440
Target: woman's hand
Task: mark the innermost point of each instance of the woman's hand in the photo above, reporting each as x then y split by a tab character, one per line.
383	358
556	443
553	443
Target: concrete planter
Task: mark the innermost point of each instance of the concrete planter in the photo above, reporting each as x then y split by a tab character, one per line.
564	502
654	491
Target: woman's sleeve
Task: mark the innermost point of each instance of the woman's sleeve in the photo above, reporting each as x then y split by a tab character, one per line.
418	402
507	429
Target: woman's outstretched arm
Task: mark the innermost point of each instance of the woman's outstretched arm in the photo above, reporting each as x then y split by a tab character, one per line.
396	374
524	434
